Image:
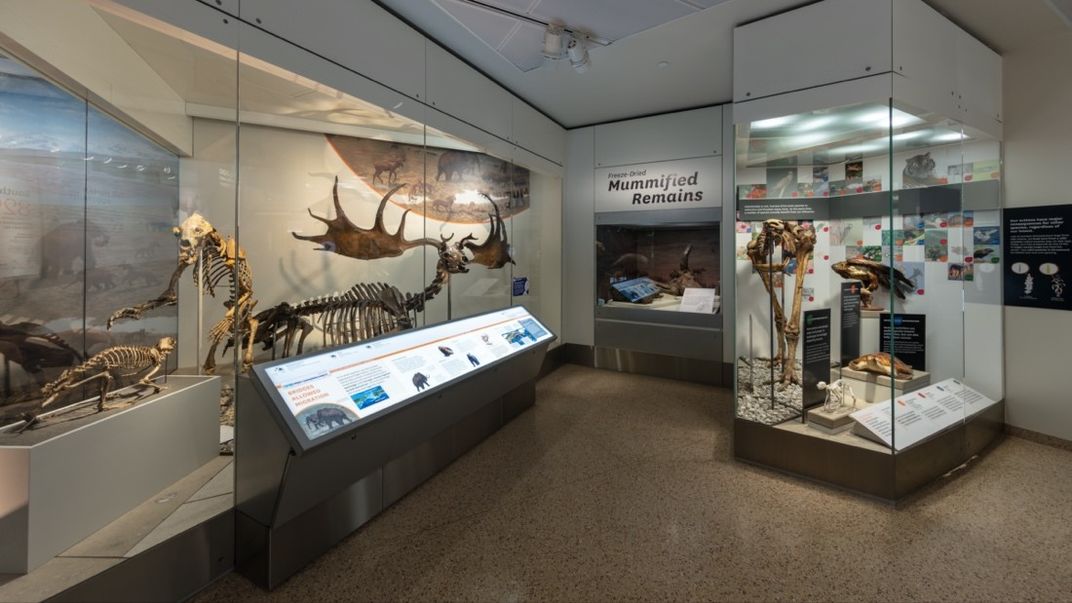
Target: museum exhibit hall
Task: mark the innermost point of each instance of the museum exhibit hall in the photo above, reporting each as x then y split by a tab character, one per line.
499	300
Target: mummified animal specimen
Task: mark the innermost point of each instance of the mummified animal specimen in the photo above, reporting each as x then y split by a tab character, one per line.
494	252
362	312
215	259
872	274
35	348
346	238
881	363
682	278
796	242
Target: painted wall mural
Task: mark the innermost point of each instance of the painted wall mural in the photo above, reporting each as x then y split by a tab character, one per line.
441	184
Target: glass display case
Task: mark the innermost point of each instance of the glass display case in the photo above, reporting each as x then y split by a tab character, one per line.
336	197
670	267
176	208
868	289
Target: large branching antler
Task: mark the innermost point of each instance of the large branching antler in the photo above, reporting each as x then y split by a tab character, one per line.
346	238
494	252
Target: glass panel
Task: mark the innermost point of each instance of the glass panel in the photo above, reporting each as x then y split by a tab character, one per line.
331	206
43	251
669	267
98	180
812	249
536	248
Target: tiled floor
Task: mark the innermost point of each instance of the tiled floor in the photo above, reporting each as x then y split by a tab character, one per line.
624	487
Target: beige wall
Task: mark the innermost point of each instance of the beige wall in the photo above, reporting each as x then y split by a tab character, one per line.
1038	171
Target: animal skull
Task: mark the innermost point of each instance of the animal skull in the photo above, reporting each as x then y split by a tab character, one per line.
453	256
192	235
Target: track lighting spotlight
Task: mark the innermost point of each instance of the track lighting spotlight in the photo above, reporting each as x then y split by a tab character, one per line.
578	54
552	41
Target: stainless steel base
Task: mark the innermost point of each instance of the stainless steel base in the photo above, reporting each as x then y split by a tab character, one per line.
887	476
293	507
710	372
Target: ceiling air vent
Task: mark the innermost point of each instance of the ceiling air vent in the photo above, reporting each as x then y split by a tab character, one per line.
1063	8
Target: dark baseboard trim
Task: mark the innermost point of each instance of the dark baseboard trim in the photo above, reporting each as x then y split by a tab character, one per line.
643	363
1038	438
555	358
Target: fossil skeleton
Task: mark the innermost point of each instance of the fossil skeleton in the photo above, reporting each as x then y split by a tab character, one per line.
104	367
872	274
215	259
494	252
362	312
346	238
796	242
837	393
880	363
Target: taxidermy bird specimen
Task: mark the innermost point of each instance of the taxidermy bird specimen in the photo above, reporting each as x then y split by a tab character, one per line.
215	259
796	243
873	274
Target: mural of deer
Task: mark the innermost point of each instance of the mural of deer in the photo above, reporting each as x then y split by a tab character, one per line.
390	166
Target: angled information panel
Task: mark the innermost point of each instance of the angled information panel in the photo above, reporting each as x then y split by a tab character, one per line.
338	389
920	414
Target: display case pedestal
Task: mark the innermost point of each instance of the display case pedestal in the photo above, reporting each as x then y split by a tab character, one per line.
834	422
63	482
876	388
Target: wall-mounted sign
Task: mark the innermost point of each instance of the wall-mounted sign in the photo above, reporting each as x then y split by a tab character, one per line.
679	184
1038	257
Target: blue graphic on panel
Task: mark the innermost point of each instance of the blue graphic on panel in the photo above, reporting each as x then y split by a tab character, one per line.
371	396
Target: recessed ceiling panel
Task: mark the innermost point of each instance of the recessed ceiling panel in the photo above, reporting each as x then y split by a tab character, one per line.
488	25
519	48
611	19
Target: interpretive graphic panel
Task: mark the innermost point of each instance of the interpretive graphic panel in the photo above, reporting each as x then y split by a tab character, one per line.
850	321
330	390
1038	257
909	338
816	355
918	415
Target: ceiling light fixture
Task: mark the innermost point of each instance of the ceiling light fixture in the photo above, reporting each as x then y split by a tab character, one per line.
949	137
552	41
773	122
578	53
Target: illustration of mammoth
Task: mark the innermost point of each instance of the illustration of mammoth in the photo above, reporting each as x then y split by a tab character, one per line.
326	417
454	162
420	381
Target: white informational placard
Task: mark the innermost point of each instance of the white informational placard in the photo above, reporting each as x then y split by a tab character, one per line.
922	413
696	299
329	390
685	183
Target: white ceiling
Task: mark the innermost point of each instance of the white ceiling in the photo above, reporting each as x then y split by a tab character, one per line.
624	79
1004	25
519	40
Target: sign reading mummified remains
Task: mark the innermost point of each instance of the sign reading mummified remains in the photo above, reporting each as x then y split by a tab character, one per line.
685	183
